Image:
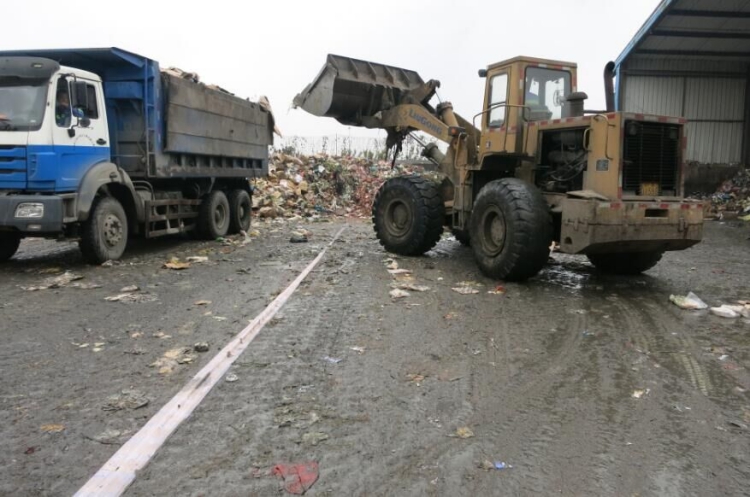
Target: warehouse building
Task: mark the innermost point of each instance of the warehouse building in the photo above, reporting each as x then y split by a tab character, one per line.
691	59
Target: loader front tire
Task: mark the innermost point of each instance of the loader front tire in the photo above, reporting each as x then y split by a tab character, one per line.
408	214
627	264
511	230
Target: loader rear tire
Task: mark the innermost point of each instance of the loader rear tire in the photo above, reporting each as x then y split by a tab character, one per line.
626	263
9	243
213	217
104	235
240	209
408	214
511	230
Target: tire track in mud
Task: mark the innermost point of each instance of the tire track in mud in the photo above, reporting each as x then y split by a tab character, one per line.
663	341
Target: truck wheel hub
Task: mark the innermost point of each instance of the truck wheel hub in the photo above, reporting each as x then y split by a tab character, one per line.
493	230
112	230
398	217
220	214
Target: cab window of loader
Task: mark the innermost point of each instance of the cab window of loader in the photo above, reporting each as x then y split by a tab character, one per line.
498	96
546	90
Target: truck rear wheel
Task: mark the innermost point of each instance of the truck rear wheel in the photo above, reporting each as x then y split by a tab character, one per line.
213	218
408	215
626	263
9	243
240	209
511	230
105	234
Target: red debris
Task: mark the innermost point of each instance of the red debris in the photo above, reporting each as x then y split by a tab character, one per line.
298	478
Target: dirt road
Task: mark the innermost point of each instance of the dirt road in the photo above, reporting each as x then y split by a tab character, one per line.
584	384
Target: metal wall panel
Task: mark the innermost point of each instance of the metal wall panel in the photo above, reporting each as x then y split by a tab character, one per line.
718	99
715	143
662	96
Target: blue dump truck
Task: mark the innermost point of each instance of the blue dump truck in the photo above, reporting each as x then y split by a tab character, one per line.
100	145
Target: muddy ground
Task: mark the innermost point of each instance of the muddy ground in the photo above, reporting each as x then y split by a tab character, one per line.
584	384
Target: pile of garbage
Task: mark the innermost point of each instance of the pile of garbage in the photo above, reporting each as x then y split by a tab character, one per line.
318	185
732	197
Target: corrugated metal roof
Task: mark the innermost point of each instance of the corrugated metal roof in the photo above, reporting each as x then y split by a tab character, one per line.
704	29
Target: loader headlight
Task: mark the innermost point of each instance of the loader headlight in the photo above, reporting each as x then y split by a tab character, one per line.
29	210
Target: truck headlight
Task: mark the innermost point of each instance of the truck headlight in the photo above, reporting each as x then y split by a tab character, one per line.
29	210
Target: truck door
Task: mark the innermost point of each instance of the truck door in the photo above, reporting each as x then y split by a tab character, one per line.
80	132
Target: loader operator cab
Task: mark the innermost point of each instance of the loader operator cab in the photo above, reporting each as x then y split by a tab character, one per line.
545	93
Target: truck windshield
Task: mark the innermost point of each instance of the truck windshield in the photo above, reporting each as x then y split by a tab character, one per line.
546	90
22	104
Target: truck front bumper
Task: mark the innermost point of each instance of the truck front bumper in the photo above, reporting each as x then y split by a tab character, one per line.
50	222
592	226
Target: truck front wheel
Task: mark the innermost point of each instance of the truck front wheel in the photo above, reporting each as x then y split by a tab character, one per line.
240	208
408	215
213	218
625	263
105	234
9	243
511	230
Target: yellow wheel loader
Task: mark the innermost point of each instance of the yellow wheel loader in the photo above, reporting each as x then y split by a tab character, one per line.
532	168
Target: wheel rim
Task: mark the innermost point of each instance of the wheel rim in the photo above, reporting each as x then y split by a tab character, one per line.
493	230
398	218
220	215
113	230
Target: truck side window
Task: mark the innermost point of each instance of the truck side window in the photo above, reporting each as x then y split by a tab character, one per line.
62	104
498	95
92	112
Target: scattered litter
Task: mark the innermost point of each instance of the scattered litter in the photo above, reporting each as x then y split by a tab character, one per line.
53	428
399	271
197	259
129	289
470	283
725	311
502	465
176	265
450	315
126	399
412	287
108	264
231	378
737	424
416	378
332	360
61	281
109	437
637	394
588	333
201	347
359	350
691	301
298	237
314	438
85	286
162	335
220	318
393	265
30	451
724	357
172	358
464	432
298	478
203	302
465	290
499	290
132	297
50	270
397	293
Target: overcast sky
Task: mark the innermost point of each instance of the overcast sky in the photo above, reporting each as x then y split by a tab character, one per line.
275	48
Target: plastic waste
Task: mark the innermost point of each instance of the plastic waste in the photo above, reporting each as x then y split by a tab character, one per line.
725	311
691	301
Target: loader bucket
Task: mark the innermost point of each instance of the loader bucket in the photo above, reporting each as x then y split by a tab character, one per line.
349	89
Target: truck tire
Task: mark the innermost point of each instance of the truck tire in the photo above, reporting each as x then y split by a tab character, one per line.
511	230
240	209
105	234
408	214
214	214
462	236
9	243
625	263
